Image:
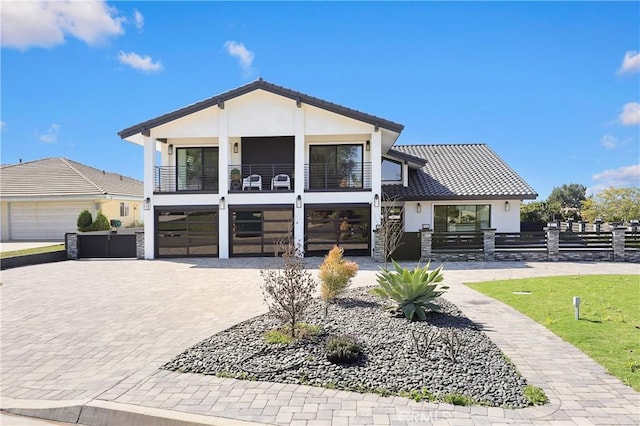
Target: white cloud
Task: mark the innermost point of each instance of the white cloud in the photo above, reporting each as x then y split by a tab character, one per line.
245	56
630	114
138	19
609	141
142	63
43	23
630	63
52	135
622	177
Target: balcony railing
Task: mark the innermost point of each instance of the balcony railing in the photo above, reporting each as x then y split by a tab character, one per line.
330	177
185	178
261	177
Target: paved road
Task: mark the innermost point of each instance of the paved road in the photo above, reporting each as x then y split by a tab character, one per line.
92	334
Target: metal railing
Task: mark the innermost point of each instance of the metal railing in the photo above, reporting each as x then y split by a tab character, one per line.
521	240
329	177
184	178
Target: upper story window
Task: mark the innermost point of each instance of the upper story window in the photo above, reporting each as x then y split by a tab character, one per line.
391	170
197	169
335	166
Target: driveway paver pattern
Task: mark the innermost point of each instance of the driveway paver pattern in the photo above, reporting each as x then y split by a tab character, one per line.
98	330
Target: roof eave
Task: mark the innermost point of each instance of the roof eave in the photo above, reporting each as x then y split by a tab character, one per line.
255	85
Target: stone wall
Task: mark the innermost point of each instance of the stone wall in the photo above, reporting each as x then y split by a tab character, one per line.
140	245
71	245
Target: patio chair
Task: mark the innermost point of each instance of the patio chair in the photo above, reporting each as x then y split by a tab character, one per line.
252	181
281	181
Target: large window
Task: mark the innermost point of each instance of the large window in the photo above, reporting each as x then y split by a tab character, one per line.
186	232
462	218
256	231
391	170
197	169
335	166
347	226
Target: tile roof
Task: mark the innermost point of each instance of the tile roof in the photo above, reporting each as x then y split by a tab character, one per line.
465	171
269	87
62	177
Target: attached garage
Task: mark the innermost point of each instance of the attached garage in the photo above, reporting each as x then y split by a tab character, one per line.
186	232
44	221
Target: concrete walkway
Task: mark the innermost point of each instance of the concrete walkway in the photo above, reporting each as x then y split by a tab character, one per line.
82	341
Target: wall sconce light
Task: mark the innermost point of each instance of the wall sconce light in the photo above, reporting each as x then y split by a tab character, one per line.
222	203
235	148
298	201
170	149
425	227
147	203
367	146
507	206
376	201
419	208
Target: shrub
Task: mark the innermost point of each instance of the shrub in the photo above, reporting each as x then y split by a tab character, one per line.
342	350
335	274
277	336
85	221
101	223
412	291
288	290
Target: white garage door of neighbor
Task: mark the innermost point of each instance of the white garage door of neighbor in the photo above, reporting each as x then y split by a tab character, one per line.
44	221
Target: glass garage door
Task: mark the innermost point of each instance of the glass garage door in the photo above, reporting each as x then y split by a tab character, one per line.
255	229
186	233
347	226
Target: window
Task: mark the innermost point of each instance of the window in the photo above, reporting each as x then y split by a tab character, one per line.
335	166
124	209
462	218
391	170
197	169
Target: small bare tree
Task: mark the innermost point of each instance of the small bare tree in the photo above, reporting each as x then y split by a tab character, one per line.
391	227
288	289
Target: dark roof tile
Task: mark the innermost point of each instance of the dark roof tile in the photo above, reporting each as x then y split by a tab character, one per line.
464	171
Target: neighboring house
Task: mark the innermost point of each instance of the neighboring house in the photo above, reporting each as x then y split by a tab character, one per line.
41	200
240	169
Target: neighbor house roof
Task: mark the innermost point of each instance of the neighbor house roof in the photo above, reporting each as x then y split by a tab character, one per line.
466	171
63	177
269	87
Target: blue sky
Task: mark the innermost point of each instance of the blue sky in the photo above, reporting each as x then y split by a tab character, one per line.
553	88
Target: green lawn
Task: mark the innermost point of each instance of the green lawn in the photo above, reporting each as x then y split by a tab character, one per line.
36	250
609	326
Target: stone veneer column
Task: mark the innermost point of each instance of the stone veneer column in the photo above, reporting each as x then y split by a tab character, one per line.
425	244
618	243
489	245
140	245
553	242
378	244
71	245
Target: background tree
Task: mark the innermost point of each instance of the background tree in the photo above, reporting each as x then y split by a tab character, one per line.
85	221
538	211
101	223
613	205
568	196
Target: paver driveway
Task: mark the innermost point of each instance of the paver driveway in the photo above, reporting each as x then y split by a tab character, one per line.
78	331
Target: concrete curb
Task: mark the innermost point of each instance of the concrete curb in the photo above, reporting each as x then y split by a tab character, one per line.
106	413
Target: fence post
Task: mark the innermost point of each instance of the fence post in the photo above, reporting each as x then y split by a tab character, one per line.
140	244
71	245
378	245
489	245
617	234
582	226
553	242
425	243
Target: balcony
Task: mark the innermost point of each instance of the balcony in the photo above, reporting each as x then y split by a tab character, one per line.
329	177
319	177
185	179
261	177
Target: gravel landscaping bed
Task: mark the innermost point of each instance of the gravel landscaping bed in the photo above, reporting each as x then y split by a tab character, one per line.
389	364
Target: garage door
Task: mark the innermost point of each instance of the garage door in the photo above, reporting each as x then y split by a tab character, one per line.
44	221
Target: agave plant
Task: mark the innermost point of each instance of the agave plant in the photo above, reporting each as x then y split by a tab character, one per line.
413	291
